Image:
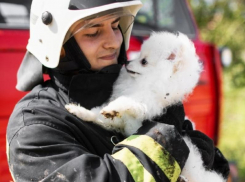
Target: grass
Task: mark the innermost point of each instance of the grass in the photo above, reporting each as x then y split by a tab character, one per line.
232	138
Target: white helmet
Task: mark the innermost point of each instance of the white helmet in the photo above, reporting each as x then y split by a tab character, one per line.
50	27
51	20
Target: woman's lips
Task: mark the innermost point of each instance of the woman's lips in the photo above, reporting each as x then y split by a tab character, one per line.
109	56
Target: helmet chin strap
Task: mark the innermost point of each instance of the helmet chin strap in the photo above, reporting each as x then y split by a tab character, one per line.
74	59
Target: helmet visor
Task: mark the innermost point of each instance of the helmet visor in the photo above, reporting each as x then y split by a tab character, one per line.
125	18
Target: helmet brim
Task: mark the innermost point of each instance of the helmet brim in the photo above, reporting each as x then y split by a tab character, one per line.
124	17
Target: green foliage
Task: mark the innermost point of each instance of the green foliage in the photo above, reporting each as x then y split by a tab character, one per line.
222	22
232	142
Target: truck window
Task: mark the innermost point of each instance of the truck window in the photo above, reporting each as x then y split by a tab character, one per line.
14	14
158	15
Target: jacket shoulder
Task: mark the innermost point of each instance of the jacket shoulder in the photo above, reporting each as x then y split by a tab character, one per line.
40	106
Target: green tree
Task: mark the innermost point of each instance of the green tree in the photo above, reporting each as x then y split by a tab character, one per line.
222	22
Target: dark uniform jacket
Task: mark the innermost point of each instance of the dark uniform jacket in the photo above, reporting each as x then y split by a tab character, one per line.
47	143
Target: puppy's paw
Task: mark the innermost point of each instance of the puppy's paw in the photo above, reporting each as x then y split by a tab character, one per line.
81	112
110	114
72	108
121	107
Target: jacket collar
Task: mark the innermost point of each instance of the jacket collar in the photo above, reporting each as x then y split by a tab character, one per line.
87	88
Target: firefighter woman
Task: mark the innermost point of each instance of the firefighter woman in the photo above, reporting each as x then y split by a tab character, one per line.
82	46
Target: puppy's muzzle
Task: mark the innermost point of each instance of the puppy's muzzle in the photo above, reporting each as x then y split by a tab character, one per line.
130	71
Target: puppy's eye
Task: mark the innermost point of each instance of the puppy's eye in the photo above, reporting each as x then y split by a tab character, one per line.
144	62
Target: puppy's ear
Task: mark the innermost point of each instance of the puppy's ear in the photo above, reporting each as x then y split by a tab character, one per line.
171	56
179	54
180	51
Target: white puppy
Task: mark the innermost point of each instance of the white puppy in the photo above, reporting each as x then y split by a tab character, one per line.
166	72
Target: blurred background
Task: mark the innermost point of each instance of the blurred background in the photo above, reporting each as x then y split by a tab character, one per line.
217	28
223	22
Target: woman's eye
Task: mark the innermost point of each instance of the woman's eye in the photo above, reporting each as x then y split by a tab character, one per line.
115	28
92	35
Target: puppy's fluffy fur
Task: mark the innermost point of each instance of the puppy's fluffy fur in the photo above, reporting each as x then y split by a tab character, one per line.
166	72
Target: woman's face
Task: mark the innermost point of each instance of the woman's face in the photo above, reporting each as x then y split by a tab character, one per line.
101	43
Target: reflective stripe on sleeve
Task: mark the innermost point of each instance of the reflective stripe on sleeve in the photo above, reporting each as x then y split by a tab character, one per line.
156	153
136	169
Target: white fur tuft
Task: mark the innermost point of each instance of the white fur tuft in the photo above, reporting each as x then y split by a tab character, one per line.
194	170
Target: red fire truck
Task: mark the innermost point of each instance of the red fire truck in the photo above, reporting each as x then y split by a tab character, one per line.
203	106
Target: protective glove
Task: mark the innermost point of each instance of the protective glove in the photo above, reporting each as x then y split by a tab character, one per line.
174	115
212	157
220	164
160	149
169	138
202	142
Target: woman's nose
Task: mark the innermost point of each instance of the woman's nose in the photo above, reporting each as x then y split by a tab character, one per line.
113	39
